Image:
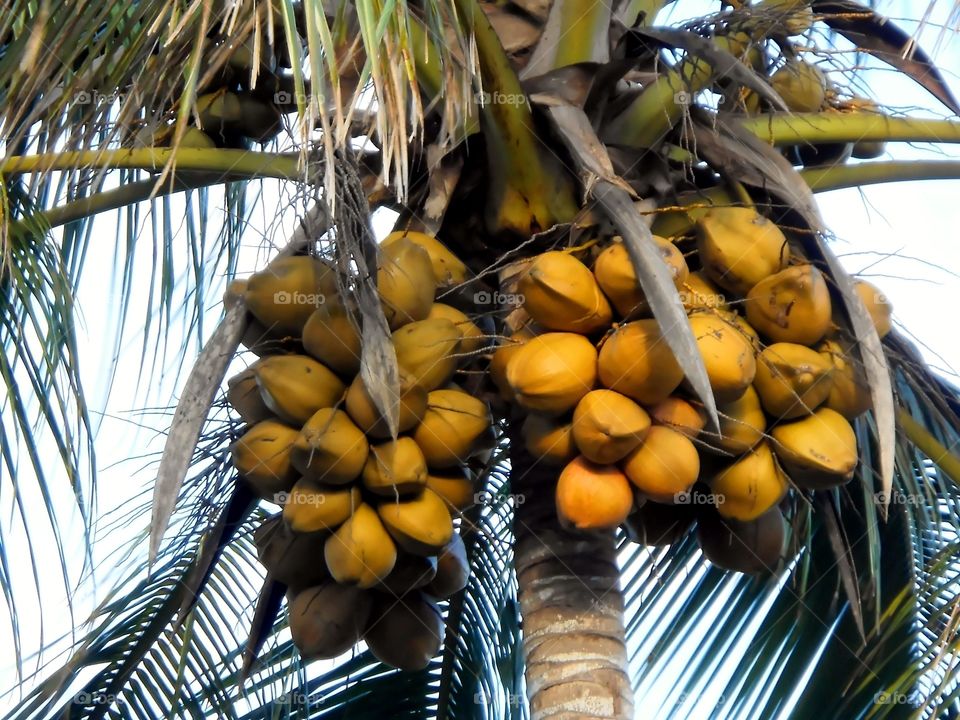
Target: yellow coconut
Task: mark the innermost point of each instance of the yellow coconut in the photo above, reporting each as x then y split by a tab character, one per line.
792	306
877	304
561	293
665	466
395	467
450	428
330	448
361	551
243	394
455	488
792	380
448	269
473	337
311	508
429	351
728	355
699	293
739	247
742	424
328	620
362	410
500	358
802	86
616	277
551	372
405	282
679	414
849	391
818	451
751	485
406	632
637	362
549	439
592	497
290	557
741	324
421	525
608	425
453	570
294	387
285	293
332	336
262	458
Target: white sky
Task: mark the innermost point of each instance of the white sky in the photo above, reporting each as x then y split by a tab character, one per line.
904	237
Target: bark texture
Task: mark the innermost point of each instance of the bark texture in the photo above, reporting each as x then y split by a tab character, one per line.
571	605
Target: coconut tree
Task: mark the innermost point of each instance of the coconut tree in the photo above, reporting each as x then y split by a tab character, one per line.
507	130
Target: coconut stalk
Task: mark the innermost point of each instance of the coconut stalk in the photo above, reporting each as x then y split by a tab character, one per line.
571	604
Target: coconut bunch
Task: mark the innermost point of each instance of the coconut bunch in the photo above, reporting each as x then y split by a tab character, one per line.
608	404
366	540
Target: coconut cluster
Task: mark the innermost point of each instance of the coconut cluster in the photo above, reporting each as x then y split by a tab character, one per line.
366	541
609	405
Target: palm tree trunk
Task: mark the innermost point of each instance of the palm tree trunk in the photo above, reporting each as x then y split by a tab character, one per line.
571	605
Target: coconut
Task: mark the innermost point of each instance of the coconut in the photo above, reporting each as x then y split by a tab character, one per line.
409	573
549	439
699	293
787	17
360	552
453	570
455	489
332	336
421	525
818	451
330	449
290	557
448	269
658	524
636	361
751	485
311	508
877	305
283	295
404	633
727	355
551	372
405	282
294	387
473	338
262	458
326	621
428	350
849	391
665	466
740	247
680	415
802	86
453	423
608	425
592	497
243	394
260	121
754	546
792	306
362	410
618	280
792	380
396	467
742	424
561	293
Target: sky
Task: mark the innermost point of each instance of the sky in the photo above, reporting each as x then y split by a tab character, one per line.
903	237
